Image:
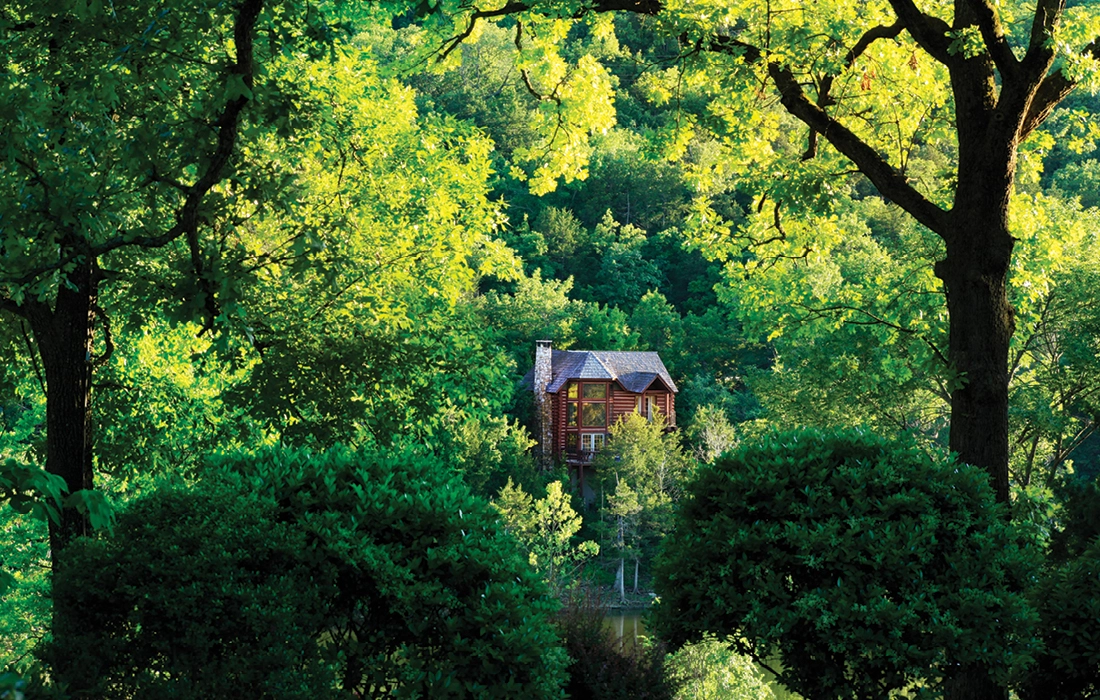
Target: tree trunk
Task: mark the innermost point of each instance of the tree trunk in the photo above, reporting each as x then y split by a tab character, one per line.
63	335
619	584
975	275
64	339
636	565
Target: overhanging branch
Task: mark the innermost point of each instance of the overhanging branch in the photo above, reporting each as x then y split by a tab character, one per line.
890	182
824	96
227	123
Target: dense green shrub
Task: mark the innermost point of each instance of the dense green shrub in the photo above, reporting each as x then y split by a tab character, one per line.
1068	600
197	594
292	574
861	564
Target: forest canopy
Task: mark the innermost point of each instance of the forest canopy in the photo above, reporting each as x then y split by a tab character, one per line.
339	227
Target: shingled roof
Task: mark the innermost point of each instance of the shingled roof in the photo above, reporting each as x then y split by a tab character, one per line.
634	371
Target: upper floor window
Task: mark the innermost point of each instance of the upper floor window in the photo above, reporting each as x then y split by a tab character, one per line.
595	391
586	405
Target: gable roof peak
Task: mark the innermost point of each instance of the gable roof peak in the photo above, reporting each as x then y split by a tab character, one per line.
634	370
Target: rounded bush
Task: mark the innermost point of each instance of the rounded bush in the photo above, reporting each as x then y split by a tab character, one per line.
1068	599
343	574
860	564
197	593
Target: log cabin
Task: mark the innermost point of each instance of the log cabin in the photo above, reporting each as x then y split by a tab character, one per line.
580	394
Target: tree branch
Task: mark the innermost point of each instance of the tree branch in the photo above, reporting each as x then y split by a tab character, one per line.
824	98
993	35
11	307
32	353
869	37
510	8
890	182
929	32
876	321
1047	14
513	7
187	217
1051	91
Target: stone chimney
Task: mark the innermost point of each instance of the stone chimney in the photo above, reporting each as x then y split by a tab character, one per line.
543	404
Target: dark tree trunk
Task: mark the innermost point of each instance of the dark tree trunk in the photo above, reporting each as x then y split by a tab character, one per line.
975	277
63	335
975	274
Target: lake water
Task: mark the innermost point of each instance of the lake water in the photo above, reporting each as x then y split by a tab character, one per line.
629	625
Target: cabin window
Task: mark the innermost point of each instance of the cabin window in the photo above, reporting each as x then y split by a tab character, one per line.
595	391
587	411
592	442
593	415
651	407
638	405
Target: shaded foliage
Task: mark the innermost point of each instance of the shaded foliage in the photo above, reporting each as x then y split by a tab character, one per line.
333	574
865	565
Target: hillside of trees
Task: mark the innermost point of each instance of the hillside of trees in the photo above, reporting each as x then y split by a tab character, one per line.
271	273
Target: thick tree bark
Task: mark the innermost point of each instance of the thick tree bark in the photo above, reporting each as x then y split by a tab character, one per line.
981	320
63	335
975	275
